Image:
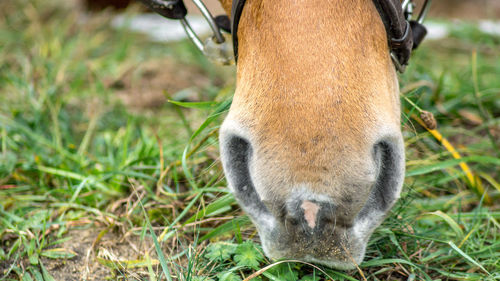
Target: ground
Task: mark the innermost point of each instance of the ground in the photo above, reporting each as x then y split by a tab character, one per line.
92	167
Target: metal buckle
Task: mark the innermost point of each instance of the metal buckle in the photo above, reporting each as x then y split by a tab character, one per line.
397	42
408	8
216	47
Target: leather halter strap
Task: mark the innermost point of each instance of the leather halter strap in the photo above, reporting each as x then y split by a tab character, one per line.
399	30
399	33
236	10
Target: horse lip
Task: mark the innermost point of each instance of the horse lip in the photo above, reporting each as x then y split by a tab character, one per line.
343	251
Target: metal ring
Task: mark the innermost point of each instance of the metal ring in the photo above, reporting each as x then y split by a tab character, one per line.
402	39
424	11
399	67
210	19
191	34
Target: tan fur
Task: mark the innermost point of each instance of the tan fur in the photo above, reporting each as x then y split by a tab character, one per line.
316	94
313	92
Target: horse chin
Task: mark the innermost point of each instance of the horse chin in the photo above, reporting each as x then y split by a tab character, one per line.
335	246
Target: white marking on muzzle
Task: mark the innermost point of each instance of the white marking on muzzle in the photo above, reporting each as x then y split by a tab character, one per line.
310	212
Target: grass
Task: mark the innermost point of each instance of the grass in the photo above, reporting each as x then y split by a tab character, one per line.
90	187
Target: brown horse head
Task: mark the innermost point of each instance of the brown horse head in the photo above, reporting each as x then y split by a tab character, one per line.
312	146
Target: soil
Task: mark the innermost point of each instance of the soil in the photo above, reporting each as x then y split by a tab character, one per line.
152	83
89	248
78	268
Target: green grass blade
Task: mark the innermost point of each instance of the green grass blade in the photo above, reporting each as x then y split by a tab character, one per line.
340	275
196	105
46	274
451	222
159	252
381	262
75	176
38	138
450	163
467	257
226	227
36	273
26	277
58	253
222	202
223	106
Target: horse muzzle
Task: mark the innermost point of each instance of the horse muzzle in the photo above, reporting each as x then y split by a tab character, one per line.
328	223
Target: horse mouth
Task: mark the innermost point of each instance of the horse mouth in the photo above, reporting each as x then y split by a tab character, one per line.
336	248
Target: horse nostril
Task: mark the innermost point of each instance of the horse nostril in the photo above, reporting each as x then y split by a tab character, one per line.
327	220
293	221
389	157
236	155
386	190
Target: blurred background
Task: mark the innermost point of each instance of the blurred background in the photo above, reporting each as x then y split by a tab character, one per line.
463	9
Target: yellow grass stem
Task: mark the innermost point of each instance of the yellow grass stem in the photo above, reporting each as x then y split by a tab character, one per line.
474	181
466	237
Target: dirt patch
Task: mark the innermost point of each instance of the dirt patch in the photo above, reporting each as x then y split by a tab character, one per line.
97	256
84	266
148	85
79	267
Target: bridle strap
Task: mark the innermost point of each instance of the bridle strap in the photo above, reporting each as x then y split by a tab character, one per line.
399	33
236	10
